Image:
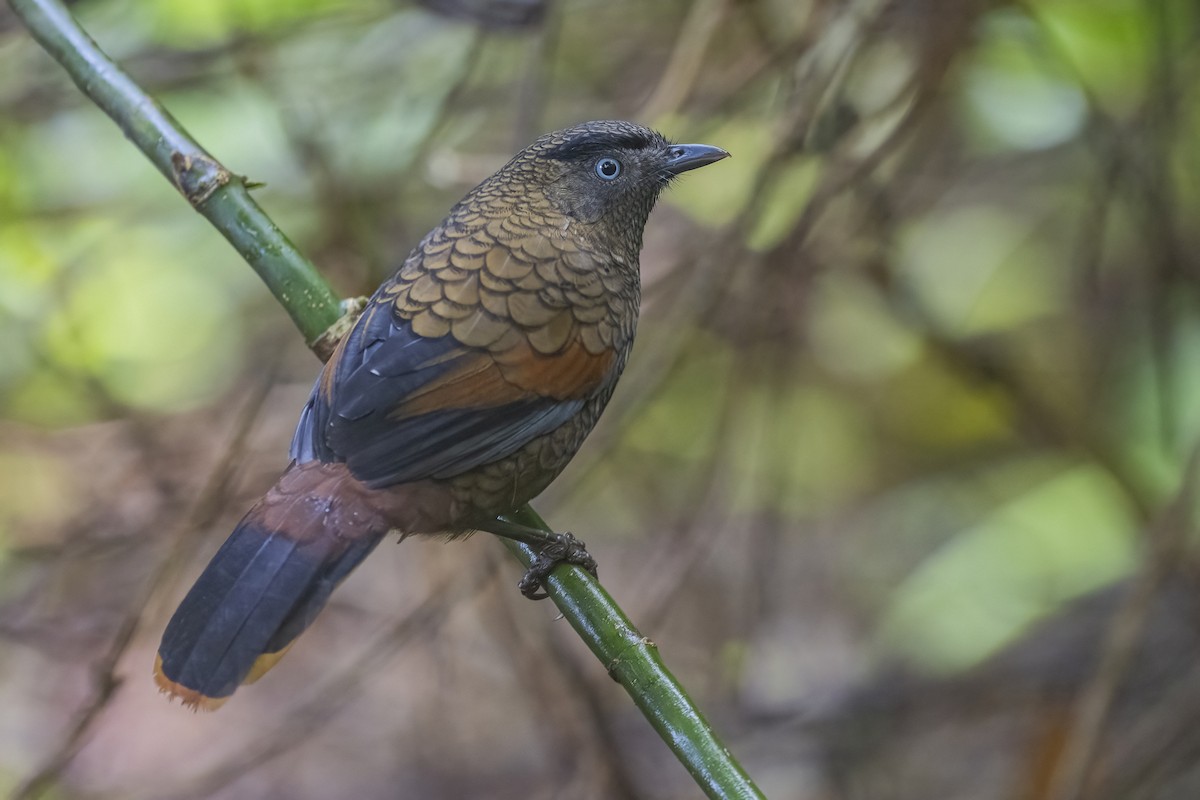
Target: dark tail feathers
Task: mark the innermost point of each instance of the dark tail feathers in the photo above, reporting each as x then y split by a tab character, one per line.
262	589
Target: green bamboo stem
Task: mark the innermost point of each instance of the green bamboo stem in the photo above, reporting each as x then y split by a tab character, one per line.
218	194
633	661
222	197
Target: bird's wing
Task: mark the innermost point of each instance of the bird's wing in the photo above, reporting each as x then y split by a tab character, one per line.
457	362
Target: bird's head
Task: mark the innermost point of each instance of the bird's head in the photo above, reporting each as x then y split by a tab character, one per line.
606	174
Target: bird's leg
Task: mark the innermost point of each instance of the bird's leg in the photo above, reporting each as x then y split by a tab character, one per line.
552	549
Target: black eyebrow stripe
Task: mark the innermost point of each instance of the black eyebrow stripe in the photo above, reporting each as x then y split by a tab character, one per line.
595	143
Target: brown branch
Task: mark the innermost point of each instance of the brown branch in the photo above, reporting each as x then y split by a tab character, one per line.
204	510
307	718
1167	541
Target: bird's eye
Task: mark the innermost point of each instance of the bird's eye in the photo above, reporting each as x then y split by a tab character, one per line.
608	168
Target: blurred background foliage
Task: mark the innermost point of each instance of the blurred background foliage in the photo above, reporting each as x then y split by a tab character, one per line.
901	476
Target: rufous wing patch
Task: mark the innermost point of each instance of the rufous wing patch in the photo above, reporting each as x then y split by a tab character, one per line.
569	374
476	382
518	373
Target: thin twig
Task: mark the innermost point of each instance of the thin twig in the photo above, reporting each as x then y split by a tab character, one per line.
1071	779
203	511
307	718
665	574
534	86
699	27
554	684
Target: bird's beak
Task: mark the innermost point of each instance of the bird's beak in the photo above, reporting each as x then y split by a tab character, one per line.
682	157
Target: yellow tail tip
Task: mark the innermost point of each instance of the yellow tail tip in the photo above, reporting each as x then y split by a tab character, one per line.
190	697
263	664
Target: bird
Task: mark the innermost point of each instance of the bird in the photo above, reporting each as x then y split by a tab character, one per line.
471	378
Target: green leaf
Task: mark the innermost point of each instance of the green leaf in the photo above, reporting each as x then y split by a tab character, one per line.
1067	536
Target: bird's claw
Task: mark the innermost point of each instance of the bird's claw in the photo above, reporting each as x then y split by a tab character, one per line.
565	549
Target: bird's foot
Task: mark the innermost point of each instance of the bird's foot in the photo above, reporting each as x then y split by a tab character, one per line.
552	549
563	548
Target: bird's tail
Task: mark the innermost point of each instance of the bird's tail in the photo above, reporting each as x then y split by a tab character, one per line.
266	584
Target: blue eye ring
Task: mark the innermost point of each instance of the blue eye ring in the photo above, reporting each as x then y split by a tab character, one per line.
608	169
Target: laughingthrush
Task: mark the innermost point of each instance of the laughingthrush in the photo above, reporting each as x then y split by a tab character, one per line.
468	383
